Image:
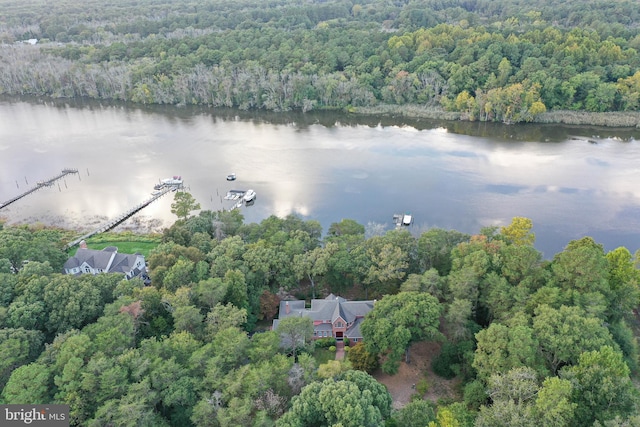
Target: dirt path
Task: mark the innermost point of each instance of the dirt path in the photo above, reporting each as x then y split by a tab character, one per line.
402	385
340	350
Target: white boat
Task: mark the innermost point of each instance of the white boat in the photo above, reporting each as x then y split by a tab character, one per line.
176	180
407	220
249	196
231	177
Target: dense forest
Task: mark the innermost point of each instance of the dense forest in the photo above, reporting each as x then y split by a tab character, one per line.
491	60
531	342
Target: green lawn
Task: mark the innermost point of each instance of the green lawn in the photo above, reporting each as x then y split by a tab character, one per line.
323	355
125	247
127	243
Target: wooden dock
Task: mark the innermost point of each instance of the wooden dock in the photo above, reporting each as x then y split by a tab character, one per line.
39	185
128	214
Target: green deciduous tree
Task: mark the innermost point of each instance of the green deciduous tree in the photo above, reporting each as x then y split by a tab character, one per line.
417	413
346	227
430	282
230	348
602	388
178	275
183	204
311	264
263	346
435	246
399	320
386	265
519	231
361	359
353	399
582	273
236	289
29	383
18	347
564	334
295	332
553	406
501	349
72	302
624	283
224	316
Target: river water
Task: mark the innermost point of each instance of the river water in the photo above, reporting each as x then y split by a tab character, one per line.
571	181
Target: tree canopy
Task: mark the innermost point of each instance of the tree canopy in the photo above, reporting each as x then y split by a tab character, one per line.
531	341
397	321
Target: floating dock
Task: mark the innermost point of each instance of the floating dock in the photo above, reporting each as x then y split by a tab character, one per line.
238	196
402	220
40	184
234	194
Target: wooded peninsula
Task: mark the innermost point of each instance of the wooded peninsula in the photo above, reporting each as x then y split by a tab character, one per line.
492	60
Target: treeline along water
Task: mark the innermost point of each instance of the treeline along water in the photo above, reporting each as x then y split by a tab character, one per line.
571	181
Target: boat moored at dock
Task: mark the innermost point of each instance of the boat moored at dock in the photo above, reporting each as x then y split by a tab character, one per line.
249	195
403	220
176	180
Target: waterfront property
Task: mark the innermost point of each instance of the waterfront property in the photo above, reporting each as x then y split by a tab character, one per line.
332	316
108	260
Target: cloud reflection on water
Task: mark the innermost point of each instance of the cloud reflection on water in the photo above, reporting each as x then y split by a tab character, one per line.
367	173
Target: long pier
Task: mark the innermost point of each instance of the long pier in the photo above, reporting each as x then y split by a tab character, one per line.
128	214
39	185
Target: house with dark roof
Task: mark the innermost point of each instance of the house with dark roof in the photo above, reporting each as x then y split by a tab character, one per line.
108	260
332	316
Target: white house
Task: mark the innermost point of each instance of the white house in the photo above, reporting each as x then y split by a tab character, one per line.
108	260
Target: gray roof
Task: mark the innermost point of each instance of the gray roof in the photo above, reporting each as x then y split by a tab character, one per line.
354	331
95	258
328	309
122	263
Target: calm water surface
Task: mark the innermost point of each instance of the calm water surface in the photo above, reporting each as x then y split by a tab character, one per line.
571	182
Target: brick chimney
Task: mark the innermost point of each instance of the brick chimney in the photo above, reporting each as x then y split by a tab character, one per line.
287	309
83	244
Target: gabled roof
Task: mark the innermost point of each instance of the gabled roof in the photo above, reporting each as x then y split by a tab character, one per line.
354	330
108	260
328	309
122	263
92	257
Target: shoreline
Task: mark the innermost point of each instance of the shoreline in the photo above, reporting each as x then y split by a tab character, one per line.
613	119
628	120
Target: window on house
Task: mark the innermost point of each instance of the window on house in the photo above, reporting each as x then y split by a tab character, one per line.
87	269
339	324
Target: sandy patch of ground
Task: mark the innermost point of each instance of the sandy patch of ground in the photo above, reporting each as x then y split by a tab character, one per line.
402	385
